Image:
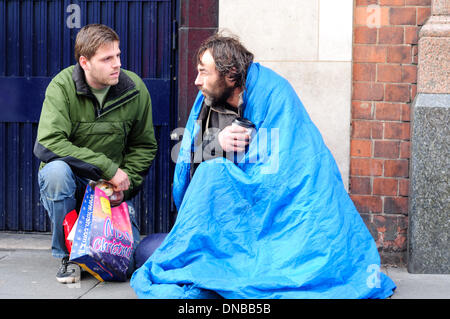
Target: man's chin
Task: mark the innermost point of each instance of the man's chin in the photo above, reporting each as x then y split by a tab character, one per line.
112	82
208	101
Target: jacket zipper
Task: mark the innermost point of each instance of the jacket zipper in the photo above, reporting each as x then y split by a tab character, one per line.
124	138
117	103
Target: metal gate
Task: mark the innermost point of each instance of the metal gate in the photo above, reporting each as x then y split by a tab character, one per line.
36	42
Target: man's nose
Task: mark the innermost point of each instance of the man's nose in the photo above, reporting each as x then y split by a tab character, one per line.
198	80
117	63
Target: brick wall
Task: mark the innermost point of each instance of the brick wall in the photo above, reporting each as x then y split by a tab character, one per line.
384	85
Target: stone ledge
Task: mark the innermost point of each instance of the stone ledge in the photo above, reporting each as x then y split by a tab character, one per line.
432	100
436	26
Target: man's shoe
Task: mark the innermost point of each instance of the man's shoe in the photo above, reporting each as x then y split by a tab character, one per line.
68	272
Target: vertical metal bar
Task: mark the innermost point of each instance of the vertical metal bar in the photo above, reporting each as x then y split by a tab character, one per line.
27	37
121	23
164	189
54	37
67	35
107	13
13	42
3	37
40	44
2	177
12	182
26	200
145	39
40	218
164	23
153	39
93	11
135	40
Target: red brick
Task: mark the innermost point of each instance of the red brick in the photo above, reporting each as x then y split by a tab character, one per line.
405	112
409	74
422	15
366	167
367	204
368	53
396	205
396	168
405	150
392	232
399	54
364	71
361	129
390	35
368	91
371	16
367	129
365	35
377	129
389	73
397	93
360	185
403	187
387	149
418	2
411	35
385	186
402	16
397	131
361	110
388	111
366	2
391	2
361	148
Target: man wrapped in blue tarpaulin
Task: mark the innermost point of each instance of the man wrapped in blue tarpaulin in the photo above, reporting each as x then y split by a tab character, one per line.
278	223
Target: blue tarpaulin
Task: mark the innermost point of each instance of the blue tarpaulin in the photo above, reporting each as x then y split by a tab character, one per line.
279	224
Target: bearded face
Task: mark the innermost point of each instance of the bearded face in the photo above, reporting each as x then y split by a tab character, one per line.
211	83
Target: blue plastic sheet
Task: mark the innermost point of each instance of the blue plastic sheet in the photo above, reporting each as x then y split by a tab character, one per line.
280	224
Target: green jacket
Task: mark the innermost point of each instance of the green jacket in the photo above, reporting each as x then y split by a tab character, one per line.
93	141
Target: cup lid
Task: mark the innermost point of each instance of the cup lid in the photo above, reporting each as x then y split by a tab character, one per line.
243	122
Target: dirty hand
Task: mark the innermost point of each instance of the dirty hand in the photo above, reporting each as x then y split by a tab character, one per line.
233	138
120	181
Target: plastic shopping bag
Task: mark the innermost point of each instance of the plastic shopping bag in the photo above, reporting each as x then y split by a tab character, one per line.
103	239
68	225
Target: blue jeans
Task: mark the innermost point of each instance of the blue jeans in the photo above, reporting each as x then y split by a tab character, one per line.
61	192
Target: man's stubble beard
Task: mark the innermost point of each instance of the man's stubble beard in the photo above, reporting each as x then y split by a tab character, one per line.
221	98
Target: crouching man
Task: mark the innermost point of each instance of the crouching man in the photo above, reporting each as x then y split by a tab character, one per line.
96	123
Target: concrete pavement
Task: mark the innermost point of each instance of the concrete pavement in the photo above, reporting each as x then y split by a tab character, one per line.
27	271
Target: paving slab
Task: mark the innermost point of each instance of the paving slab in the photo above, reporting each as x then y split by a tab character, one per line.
419	286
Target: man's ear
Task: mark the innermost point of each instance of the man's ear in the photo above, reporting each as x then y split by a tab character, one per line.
229	77
229	81
83	61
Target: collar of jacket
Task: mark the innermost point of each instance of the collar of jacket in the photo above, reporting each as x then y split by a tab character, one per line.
125	84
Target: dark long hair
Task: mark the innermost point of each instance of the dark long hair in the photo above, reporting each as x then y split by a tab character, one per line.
231	58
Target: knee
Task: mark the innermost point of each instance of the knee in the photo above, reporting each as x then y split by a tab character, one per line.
56	180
